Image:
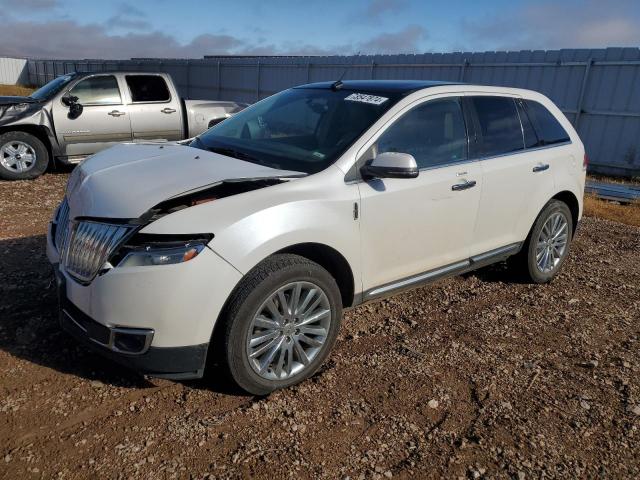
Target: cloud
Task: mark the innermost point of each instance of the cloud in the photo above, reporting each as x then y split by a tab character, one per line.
29	4
407	40
376	10
69	39
128	17
553	25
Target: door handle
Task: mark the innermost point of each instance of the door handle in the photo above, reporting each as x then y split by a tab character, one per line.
115	113
168	110
541	168
463	186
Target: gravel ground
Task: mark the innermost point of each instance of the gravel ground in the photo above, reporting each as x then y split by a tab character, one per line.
472	377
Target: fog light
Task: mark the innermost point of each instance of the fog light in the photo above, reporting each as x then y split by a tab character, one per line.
130	340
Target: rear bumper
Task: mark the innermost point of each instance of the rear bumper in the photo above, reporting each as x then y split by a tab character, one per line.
180	363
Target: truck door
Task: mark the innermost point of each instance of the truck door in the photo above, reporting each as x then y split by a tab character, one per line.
104	120
156	112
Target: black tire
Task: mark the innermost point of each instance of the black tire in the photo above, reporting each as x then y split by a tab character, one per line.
40	150
524	264
260	283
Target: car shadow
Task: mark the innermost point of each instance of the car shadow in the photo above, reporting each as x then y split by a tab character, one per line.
497	273
29	327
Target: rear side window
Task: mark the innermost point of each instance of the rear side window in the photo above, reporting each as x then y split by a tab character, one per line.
531	139
499	125
548	128
148	88
434	133
100	90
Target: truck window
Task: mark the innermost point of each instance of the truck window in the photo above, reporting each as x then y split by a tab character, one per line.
148	88
100	90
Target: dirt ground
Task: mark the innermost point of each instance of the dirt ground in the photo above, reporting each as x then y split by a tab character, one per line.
473	377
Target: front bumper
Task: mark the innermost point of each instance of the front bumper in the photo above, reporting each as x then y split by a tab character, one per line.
178	303
179	363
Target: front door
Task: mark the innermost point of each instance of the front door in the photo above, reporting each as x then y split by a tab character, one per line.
412	226
104	120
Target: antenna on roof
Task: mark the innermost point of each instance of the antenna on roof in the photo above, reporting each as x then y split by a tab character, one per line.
337	85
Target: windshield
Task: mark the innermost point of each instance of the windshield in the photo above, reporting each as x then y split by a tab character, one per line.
50	89
301	129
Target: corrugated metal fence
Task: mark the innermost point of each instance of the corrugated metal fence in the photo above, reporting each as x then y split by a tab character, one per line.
13	71
598	90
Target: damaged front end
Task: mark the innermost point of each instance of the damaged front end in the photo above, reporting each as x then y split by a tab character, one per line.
25	114
121	243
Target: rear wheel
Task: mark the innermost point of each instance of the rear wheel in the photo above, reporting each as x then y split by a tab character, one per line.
281	323
547	245
22	156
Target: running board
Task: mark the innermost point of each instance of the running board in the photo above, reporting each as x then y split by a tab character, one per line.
457	268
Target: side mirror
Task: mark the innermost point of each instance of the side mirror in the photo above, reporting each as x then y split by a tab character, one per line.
75	110
69	100
390	165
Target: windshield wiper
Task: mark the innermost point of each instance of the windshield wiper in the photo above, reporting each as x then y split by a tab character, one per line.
232	152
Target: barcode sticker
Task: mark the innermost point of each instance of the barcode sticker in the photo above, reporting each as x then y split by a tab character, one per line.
365	98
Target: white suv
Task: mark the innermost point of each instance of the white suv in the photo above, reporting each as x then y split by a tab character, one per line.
247	243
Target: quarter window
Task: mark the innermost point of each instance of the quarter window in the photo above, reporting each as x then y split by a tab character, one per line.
434	133
531	139
101	90
148	88
547	126
499	125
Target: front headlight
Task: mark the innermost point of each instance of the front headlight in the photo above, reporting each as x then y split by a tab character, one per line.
151	255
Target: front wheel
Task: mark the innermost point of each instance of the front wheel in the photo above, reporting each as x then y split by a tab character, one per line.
547	245
281	323
22	156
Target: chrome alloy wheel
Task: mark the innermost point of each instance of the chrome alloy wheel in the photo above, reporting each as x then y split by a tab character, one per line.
17	156
288	330
552	242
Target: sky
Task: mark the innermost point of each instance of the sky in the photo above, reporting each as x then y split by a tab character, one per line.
193	28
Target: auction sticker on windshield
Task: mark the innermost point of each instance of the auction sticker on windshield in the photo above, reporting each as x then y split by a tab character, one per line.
365	98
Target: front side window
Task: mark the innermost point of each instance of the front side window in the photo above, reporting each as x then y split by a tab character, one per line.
433	132
499	125
148	88
101	90
547	126
301	129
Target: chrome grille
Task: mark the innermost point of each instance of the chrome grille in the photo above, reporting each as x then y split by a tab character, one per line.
88	247
62	224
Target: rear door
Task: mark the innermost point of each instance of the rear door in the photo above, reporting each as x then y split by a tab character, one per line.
104	120
516	180
411	226
155	109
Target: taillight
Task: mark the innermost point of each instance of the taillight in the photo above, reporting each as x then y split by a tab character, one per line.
585	161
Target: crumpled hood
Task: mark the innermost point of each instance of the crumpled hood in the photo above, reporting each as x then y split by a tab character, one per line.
127	180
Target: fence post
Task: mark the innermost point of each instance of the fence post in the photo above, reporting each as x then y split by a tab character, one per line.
583	89
218	84
188	92
309	72
373	66
463	68
258	81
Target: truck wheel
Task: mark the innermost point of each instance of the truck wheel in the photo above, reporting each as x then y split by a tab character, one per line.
547	245
22	156
281	323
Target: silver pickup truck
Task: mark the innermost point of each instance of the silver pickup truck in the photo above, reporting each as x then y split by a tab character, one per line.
76	115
